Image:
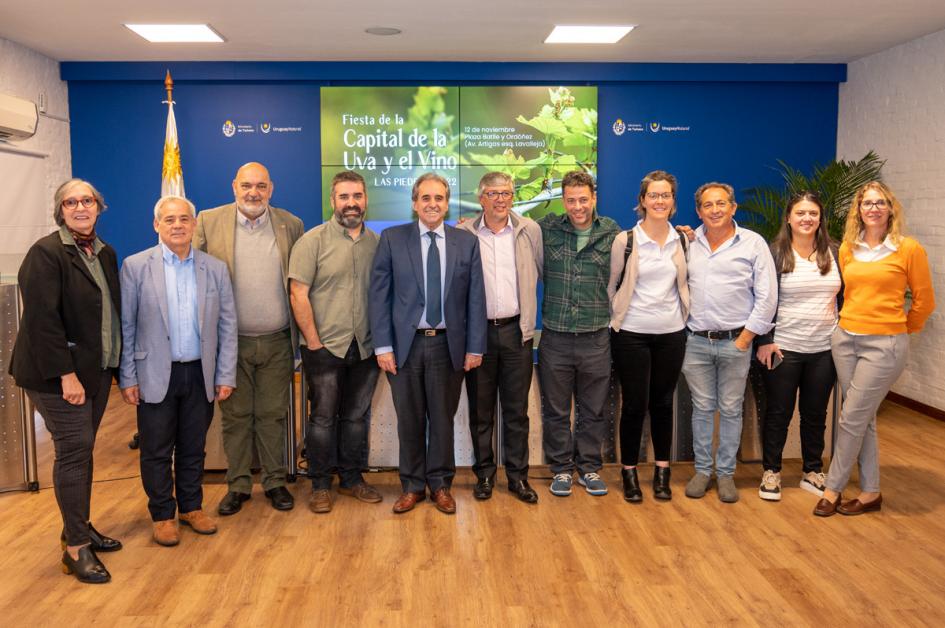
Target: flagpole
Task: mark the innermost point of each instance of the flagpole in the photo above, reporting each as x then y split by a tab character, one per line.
172	176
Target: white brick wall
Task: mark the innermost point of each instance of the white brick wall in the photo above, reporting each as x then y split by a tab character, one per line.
25	73
894	103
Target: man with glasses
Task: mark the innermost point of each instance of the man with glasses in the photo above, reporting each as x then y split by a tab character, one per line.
330	272
255	239
733	297
574	351
511	249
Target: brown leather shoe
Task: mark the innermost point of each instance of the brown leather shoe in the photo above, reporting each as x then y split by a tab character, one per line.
856	507
199	521
166	533
444	501
826	508
407	501
363	492
320	502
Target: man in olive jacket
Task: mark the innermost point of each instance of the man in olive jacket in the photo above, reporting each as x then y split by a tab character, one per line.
255	240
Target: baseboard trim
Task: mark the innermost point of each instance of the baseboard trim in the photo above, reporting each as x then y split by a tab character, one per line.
918	406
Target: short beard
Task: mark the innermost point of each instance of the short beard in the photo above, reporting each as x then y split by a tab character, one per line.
251	214
349	222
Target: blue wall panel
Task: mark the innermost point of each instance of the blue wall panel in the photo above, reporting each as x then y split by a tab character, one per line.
740	121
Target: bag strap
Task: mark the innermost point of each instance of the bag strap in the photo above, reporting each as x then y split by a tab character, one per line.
626	256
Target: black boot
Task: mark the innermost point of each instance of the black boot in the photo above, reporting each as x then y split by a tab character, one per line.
631	485
661	488
97	541
88	568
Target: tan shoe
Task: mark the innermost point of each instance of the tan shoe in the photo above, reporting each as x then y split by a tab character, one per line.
321	501
199	521
166	533
363	492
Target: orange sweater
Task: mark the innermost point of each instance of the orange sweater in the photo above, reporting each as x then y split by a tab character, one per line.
874	293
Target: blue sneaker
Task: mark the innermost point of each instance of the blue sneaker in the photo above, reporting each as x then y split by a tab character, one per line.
592	484
561	485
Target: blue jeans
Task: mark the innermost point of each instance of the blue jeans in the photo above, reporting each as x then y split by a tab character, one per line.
716	372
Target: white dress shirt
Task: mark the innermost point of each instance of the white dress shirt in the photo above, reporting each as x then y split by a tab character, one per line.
498	270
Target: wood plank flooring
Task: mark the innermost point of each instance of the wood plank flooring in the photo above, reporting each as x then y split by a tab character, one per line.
578	561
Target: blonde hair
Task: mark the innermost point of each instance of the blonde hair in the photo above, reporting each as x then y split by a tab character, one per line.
894	227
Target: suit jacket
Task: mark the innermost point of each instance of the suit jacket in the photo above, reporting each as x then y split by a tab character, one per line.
397	293
61	328
216	233
146	359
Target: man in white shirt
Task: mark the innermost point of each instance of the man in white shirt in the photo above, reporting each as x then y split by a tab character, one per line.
511	249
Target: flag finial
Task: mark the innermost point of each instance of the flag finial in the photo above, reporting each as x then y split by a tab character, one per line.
169	86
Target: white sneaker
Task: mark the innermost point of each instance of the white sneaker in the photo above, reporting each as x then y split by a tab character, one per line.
770	488
814	482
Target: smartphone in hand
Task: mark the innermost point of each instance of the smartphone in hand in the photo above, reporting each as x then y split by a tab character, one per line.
776	361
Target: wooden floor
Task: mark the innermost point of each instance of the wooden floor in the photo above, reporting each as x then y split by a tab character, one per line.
578	561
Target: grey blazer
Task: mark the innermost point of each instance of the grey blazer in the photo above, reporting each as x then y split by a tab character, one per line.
146	355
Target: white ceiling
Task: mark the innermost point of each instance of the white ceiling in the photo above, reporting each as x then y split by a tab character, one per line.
475	30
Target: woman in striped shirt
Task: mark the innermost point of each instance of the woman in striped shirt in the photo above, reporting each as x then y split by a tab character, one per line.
796	353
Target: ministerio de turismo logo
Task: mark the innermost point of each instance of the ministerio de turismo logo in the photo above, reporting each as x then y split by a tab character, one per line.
229	129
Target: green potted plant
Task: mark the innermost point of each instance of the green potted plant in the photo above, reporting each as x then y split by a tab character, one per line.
836	182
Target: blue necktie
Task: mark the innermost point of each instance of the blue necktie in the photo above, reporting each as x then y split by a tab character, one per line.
434	300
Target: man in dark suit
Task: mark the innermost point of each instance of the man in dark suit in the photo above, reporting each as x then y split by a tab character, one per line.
178	321
428	321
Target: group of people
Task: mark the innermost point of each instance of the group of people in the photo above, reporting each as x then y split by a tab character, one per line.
217	309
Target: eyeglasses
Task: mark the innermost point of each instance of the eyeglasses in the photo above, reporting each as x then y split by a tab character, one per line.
709	205
492	195
878	204
653	196
71	203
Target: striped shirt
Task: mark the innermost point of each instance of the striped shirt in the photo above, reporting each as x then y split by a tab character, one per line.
807	307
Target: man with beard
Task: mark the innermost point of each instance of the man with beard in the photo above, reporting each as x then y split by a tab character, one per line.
255	240
330	272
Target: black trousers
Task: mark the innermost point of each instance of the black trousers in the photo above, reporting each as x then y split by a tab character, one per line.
813	374
506	371
73	430
174	432
426	393
573	366
340	391
648	366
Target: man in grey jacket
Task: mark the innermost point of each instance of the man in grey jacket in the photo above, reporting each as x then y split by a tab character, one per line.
511	249
178	324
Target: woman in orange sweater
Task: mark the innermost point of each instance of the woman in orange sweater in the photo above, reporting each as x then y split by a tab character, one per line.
871	343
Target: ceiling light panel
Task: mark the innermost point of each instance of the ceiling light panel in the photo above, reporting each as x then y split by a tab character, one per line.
588	34
176	33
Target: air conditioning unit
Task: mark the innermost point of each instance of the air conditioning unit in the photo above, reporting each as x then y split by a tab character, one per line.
18	118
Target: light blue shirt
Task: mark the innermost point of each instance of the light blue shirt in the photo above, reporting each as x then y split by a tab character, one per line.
424	254
734	286
180	283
